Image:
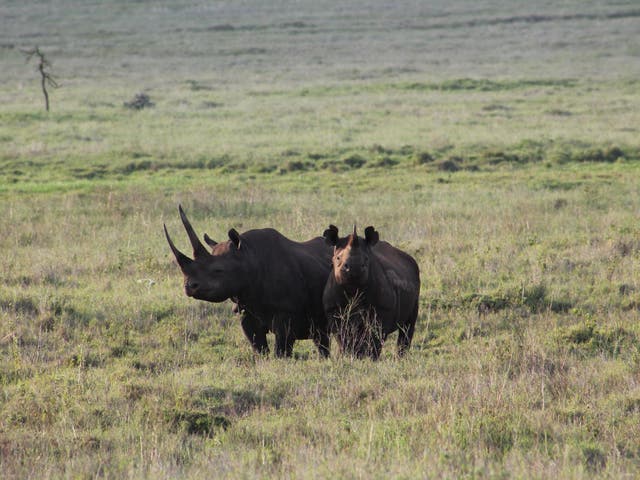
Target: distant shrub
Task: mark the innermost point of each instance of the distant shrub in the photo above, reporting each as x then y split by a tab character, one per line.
485	85
290	153
631	404
536	299
136	166
267	169
626	247
469	84
559	155
196	422
559	113
20	305
498	156
233	167
495	432
385	162
210	104
560	203
452	164
486	303
354	161
594	457
625	289
533	298
334	166
590	338
296	166
85	360
607	155
196	86
423	157
380	149
139	101
224	27
217	162
496	107
406	150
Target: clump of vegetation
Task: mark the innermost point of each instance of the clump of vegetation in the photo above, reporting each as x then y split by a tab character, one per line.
197	422
385	162
560	203
139	102
495	157
451	164
422	158
488	85
580	153
316	156
486	303
588	337
197	86
381	150
608	155
496	433
354	161
534	298
594	456
296	166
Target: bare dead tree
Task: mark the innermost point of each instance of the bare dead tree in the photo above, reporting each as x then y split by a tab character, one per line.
46	77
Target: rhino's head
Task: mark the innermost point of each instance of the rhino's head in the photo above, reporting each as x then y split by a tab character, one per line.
214	276
351	255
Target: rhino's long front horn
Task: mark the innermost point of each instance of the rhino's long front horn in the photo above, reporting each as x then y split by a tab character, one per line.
198	248
182	259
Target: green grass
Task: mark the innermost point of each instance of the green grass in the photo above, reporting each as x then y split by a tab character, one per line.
496	144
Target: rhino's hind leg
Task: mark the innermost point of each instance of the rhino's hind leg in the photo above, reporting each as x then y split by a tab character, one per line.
285	338
284	345
405	331
256	333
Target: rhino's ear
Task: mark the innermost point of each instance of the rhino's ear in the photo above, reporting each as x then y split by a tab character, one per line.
234	236
210	241
331	235
371	235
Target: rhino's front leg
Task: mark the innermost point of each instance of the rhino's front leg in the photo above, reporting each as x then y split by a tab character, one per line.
281	326
256	332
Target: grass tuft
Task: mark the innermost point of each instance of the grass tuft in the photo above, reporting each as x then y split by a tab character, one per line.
197	423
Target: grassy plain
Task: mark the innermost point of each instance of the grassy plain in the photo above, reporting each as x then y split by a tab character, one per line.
496	142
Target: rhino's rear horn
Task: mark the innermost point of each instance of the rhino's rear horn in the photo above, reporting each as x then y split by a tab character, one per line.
210	241
198	248
181	258
354	237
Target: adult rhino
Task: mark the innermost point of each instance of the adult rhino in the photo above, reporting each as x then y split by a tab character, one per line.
371	291
276	283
